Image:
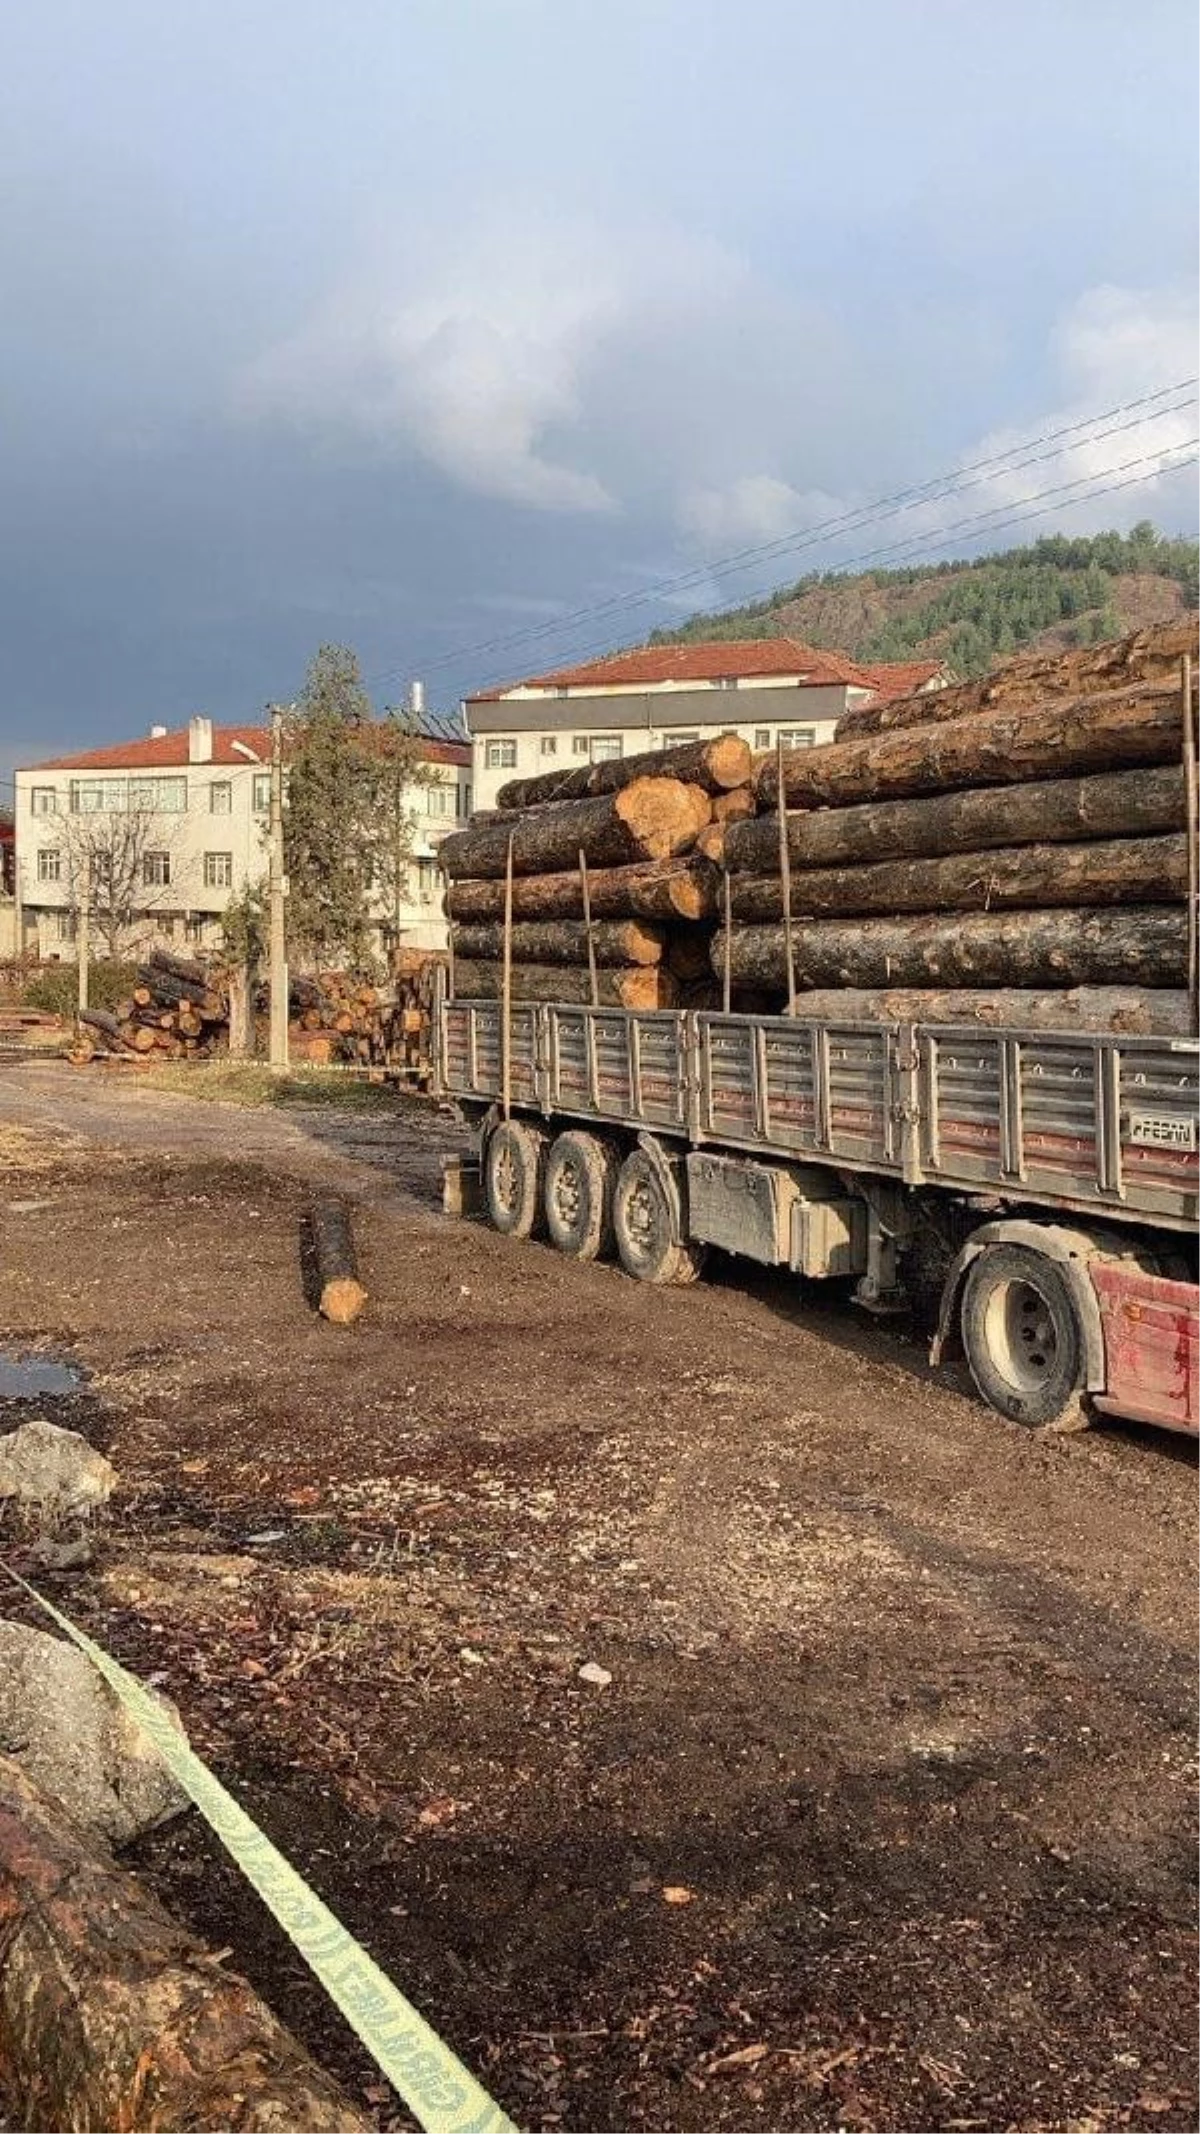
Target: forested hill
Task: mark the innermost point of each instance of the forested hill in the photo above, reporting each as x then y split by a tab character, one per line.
1061	590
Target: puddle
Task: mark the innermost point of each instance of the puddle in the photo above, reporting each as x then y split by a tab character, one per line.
24	1375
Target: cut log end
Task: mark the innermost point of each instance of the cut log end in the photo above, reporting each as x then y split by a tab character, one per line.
342	1299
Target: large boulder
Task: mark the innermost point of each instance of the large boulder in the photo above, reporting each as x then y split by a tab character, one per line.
60	1721
54	1471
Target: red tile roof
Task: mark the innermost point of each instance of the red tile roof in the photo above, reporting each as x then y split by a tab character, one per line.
740	658
893	678
170	752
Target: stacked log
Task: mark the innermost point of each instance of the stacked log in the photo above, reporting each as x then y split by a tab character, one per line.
179	1008
609	874
1023	844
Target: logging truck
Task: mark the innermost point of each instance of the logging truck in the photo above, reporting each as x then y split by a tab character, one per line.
1038	1185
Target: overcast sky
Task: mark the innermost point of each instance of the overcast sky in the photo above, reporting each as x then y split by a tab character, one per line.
415	324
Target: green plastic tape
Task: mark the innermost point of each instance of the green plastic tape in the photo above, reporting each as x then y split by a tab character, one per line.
433	2082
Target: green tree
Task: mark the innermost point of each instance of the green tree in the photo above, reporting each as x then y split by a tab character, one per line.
347	829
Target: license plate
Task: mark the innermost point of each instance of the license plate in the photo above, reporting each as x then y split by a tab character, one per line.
1146	1130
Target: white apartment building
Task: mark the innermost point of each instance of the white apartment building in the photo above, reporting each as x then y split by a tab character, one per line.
185	813
663	695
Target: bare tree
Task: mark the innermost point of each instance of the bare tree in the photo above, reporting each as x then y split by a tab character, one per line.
131	860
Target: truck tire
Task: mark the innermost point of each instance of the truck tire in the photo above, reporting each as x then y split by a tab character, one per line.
581	1173
646	1225
1023	1340
513	1163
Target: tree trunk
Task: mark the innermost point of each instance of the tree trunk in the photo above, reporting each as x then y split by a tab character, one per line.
652	819
1149	656
660	889
1125	870
342	1295
180	967
1135	1011
1059	810
111	2015
648	987
239	1012
992	748
108	1025
713	765
1126	946
616	942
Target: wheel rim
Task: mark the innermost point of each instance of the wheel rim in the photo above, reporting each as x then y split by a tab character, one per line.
567	1196
640	1212
505	1181
1021	1335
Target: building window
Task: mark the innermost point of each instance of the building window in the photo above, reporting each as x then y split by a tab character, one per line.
762	737
440	799
501	756
220	797
218	870
262	792
68	925
427	874
156	870
679	740
581	745
549	745
166	926
562	692
605	747
799	736
43	800
193	926
464	802
158	796
726	681
97	796
49	866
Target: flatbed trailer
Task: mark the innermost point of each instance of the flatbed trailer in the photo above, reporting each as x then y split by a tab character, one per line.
1049	1178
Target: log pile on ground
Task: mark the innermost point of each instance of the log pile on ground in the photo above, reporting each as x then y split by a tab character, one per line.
615	886
180	1009
1011	850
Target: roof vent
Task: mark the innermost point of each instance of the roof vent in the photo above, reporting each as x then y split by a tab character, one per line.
158	733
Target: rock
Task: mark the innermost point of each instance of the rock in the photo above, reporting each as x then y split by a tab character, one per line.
599	1677
62	1555
57	1470
68	1732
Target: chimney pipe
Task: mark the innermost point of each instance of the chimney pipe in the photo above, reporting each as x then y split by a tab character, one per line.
200	740
158	733
416	698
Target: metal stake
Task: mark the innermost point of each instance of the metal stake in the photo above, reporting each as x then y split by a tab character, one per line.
785	875
1192	811
587	920
506	989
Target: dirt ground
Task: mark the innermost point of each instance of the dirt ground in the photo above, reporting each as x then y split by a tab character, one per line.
884	1817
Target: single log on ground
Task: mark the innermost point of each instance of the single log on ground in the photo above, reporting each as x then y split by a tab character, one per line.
1128	945
652	819
111	2015
342	1295
1135	1011
1124	870
650	986
992	748
1138	803
1151	655
714	765
165	986
660	889
615	942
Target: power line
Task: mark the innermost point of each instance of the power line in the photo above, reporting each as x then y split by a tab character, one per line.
1044	501
951	482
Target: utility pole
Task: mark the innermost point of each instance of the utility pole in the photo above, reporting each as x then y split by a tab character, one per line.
82	936
276	892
